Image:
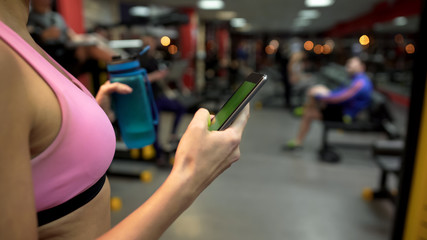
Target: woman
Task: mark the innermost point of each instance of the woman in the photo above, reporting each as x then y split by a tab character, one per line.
56	145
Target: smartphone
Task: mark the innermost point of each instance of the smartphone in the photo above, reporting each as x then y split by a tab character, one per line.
231	109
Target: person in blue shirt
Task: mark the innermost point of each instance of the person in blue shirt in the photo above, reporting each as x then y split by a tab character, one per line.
337	105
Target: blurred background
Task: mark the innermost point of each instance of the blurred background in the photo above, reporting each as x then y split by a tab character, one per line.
341	184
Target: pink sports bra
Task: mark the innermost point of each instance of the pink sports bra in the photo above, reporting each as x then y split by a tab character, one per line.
84	147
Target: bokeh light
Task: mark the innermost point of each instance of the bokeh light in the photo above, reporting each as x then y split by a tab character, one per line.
331	43
326	49
308	45
172	49
270	49
399	39
410	48
318	49
165	41
274	43
364	40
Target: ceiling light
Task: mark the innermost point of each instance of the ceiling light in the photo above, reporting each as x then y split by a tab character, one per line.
238	22
400	21
246	28
319	3
159	11
309	14
226	15
211	4
132	43
300	22
140	11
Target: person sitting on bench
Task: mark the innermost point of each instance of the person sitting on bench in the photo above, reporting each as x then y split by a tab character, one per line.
337	105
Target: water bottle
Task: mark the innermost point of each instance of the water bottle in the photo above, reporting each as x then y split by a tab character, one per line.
136	112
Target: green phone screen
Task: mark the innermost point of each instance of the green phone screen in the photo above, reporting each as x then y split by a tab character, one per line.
231	105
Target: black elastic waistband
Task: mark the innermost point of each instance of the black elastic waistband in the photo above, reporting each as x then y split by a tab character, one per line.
52	214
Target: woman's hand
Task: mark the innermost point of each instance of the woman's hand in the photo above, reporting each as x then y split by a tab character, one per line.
103	97
202	155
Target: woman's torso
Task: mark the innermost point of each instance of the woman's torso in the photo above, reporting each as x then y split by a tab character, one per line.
92	219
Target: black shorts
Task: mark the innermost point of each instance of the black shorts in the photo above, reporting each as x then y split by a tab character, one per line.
333	113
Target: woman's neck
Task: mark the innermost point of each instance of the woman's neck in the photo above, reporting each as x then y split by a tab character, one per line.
14	13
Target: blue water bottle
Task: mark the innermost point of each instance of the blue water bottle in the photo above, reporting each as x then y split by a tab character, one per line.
136	112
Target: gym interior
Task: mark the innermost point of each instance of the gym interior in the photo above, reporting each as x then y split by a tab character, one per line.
358	178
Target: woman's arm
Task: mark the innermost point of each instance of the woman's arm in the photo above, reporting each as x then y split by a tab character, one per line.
17	208
201	156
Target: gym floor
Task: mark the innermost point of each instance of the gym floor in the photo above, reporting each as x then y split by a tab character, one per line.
274	194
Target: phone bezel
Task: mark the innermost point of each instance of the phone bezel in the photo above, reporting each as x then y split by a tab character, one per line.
259	79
